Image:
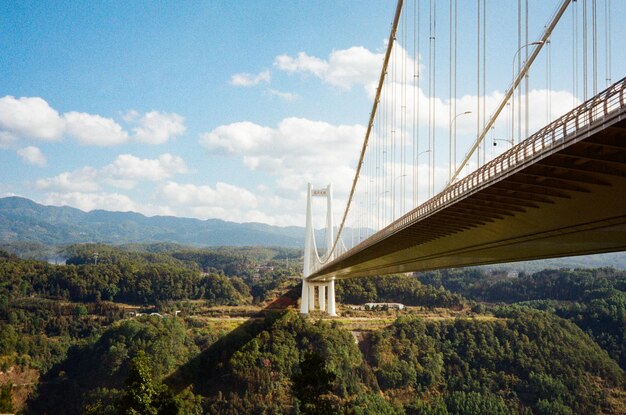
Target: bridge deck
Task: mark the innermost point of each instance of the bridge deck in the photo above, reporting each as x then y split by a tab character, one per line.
560	192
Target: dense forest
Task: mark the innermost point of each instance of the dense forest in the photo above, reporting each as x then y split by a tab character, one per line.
594	299
134	330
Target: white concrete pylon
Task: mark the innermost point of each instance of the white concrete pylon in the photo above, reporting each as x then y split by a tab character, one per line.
311	297
304	298
332	311
307	302
329	218
321	297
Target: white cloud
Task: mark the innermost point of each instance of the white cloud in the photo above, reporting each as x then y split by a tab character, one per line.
228	202
127	169
158	127
125	172
295	152
32	155
301	63
131	116
83	180
287	96
30	117
344	68
296	145
89	201
248	80
356	65
94	130
115	202
7	139
223	201
239	137
223	195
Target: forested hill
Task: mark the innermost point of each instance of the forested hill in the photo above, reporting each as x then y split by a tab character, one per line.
173	330
24	220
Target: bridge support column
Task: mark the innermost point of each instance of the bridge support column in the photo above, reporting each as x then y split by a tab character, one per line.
304	299
306	303
321	297
332	311
311	297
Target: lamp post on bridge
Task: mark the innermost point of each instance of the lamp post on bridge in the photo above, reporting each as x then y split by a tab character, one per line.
417	184
393	201
537	43
506	140
452	123
503	139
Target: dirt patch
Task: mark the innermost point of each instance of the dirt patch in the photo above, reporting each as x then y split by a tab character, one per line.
24	382
363	340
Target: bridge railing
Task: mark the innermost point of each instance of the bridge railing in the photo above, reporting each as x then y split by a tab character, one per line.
554	135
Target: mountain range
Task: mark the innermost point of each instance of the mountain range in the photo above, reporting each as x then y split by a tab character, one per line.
24	220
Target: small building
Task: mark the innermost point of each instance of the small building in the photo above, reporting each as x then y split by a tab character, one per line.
381	306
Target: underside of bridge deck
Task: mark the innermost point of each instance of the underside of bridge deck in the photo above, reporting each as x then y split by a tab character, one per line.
570	201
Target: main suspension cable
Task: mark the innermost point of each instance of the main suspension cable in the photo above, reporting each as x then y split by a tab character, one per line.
394	27
492	119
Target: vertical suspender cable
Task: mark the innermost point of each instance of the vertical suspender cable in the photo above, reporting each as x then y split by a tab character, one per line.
419	90
403	124
450	98
384	165
484	73
416	147
368	191
381	80
392	119
526	77
547	89
575	51
550	81
493	117
434	86
434	123
380	171
430	101
478	79
607	41
456	24
387	103
388	138
585	50
519	92
594	37
377	172
366	194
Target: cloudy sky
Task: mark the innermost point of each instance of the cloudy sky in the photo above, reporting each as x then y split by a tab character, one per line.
219	109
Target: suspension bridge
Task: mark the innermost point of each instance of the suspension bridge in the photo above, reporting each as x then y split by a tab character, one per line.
558	191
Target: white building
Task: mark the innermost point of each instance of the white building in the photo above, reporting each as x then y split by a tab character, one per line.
390	306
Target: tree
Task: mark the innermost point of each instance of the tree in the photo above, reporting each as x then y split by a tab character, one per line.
142	396
312	384
139	395
6	398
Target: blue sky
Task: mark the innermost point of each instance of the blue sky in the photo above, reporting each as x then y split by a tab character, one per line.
217	109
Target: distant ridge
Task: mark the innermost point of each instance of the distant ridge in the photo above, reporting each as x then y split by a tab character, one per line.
22	219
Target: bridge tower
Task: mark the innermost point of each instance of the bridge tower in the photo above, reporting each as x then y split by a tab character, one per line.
311	257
